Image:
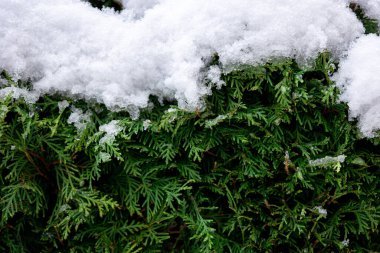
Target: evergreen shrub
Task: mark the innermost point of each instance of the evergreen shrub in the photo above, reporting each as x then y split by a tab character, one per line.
271	164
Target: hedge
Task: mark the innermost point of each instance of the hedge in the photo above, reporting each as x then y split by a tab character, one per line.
270	164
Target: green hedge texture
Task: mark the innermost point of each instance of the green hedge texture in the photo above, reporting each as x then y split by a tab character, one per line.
241	175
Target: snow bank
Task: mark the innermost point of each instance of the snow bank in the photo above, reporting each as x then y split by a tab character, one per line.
161	47
359	79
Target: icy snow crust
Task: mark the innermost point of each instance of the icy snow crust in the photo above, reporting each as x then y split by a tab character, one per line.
359	78
161	47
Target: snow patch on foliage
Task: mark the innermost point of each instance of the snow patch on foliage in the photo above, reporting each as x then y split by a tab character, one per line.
30	97
62	105
3	82
322	211
214	76
104	157
359	79
163	47
370	7
111	130
79	118
346	242
327	161
213	122
146	124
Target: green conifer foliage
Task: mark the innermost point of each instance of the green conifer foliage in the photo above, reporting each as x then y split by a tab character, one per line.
114	4
240	175
270	164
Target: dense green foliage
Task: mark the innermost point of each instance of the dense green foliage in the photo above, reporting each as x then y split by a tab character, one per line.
234	177
239	175
115	4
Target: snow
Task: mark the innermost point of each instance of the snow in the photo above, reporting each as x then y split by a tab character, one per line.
62	105
213	75
327	161
146	124
17	93
213	122
321	210
104	157
3	82
161	47
111	130
79	119
346	242
370	7
359	79
138	7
